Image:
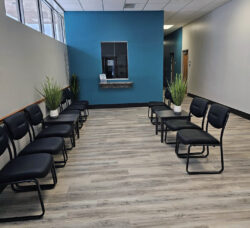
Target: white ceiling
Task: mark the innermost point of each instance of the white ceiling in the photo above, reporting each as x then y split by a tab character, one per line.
177	12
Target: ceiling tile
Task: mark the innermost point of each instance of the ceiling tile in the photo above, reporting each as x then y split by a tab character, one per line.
196	5
159	1
155	6
70	5
92	5
113	5
136	1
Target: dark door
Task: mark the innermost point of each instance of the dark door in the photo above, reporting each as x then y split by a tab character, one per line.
185	64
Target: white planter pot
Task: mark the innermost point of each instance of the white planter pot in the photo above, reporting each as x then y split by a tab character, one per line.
177	109
54	113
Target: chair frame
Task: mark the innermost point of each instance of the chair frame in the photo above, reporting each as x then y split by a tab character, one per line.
60	164
64	152
35	187
196	155
190	116
68	98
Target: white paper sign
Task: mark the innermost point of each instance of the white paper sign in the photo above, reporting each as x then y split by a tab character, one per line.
103	78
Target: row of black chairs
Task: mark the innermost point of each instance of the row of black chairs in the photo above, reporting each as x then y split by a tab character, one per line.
192	135
35	160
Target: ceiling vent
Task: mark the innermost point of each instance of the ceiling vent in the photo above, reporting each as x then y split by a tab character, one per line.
129	6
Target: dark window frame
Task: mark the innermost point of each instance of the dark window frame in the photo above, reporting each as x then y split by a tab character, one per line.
114	58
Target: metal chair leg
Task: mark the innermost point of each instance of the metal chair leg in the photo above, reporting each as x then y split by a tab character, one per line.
169	143
205	172
191	155
65	159
31	217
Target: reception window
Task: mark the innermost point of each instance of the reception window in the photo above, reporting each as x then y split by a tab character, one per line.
115	60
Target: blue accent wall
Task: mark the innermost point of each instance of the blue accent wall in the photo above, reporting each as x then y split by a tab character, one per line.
173	44
144	33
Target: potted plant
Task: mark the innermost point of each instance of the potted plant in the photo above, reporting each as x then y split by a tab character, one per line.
74	86
52	94
178	90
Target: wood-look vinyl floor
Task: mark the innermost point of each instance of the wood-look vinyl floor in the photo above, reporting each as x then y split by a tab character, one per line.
120	175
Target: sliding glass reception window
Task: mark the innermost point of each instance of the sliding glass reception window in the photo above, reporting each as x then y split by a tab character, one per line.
115	60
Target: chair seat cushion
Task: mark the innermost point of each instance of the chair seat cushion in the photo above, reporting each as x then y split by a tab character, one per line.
160	108
52	145
176	125
196	137
156	103
26	167
57	130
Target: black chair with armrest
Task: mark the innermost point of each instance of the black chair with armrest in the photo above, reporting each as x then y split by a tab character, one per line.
35	118
217	117
198	108
24	169
18	128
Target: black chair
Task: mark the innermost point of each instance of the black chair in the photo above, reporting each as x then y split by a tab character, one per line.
76	105
64	110
35	117
198	108
24	169
18	128
167	97
159	106
77	102
217	117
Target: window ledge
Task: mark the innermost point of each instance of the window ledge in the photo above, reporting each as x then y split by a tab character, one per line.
115	85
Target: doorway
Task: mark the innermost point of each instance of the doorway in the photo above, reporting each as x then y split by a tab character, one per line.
185	64
172	63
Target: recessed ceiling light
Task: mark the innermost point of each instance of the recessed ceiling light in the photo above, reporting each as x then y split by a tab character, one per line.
168	26
129	6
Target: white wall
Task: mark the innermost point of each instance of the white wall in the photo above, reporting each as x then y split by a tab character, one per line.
219	51
26	58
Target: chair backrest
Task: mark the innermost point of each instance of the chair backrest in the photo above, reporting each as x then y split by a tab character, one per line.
218	116
199	107
168	94
35	114
4	140
17	125
64	97
68	94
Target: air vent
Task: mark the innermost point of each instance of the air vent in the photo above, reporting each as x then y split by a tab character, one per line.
129	6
